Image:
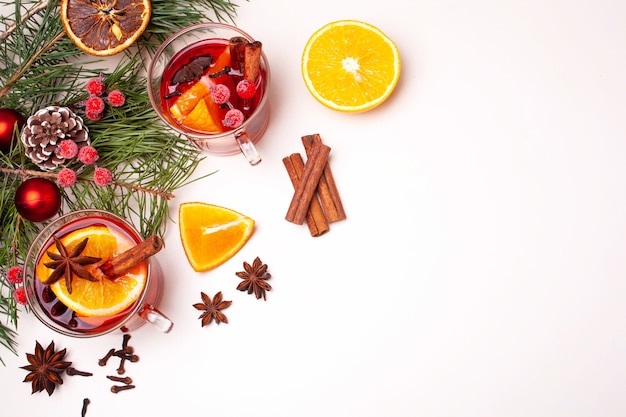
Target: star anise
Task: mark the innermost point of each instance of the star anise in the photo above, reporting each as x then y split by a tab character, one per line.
212	308
45	369
254	278
67	263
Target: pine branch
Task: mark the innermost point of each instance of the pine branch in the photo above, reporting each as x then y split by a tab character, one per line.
40	66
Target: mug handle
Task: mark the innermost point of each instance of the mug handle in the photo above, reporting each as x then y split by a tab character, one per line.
156	318
247	148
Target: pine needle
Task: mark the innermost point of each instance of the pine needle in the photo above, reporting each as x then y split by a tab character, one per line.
40	66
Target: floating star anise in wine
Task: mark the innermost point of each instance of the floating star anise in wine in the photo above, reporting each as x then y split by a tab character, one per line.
254	278
212	309
193	70
46	367
66	263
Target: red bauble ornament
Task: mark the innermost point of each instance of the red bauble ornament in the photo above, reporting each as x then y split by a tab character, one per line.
9	118
38	199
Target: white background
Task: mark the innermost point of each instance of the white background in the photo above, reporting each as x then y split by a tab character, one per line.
480	271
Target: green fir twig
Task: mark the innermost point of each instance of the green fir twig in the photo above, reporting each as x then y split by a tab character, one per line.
39	67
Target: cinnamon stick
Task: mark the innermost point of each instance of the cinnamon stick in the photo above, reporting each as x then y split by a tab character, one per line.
252	60
315	219
327	189
236	46
125	261
307	186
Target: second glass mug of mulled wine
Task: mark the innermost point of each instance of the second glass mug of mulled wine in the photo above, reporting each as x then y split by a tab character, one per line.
210	82
89	273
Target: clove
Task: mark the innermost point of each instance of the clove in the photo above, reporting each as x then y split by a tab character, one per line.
83	412
73	371
125	355
126	380
125	347
117	388
105	359
120	369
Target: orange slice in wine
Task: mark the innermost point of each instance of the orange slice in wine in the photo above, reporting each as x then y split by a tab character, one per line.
104	297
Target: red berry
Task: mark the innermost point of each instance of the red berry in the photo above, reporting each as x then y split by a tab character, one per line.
15	274
67	149
95	86
94	116
116	98
94	104
102	177
233	118
20	295
220	94
66	177
88	155
246	89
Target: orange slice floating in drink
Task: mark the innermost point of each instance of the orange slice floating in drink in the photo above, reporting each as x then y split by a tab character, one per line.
104	297
201	118
187	101
212	234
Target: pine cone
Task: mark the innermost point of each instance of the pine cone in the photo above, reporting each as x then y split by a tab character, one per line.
46	128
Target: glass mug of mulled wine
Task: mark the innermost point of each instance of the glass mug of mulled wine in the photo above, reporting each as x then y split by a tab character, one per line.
89	273
210	82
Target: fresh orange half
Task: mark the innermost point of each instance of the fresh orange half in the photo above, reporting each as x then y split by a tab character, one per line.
211	234
104	297
105	27
350	66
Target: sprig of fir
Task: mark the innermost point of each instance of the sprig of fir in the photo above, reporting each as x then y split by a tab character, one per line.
40	66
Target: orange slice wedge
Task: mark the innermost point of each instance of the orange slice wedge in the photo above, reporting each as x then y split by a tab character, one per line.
211	234
202	119
185	103
105	297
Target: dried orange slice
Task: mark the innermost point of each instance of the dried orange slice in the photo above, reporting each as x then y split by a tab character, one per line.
105	27
104	297
350	66
211	234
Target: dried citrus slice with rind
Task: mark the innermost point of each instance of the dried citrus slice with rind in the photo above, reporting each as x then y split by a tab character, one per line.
211	234
104	27
350	66
105	297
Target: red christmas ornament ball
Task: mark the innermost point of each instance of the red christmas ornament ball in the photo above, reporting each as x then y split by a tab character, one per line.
9	118
38	199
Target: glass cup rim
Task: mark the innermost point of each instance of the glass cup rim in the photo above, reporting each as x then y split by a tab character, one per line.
49	230
199	135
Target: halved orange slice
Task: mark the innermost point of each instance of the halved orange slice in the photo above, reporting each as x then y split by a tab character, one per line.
105	297
188	100
350	66
105	27
201	119
211	234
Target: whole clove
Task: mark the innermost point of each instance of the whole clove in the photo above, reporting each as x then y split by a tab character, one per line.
126	380
105	359
117	388
120	369
83	412
73	371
